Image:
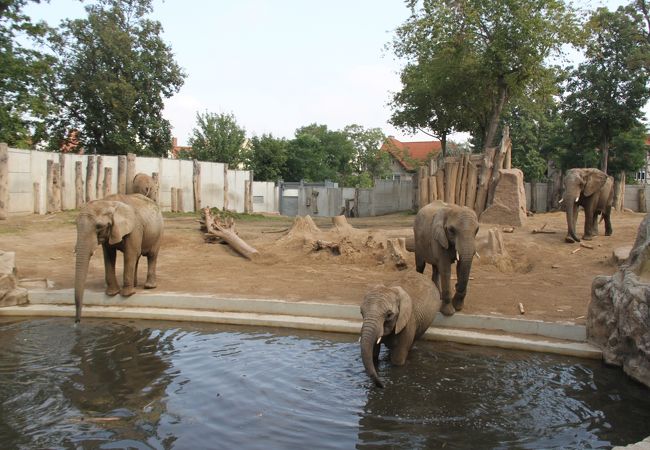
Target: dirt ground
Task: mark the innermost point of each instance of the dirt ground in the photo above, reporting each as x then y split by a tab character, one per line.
543	273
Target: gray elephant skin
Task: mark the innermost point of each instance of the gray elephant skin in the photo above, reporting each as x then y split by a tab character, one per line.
145	185
594	191
445	234
396	315
130	223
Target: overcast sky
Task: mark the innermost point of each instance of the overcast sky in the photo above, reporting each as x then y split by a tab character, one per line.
278	65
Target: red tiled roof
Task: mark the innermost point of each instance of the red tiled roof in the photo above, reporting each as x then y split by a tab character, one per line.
419	151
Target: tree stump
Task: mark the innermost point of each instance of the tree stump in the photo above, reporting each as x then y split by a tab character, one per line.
225	230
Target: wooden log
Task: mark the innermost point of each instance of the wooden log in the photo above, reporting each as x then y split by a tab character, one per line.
472	179
484	180
340	223
452	177
462	199
459	179
423	187
226	231
440	184
533	196
247	196
62	178
448	172
78	185
130	172
225	187
196	184
642	207
619	191
90	178
37	198
174	199
51	201
396	251
107	181
433	189
121	174
179	202
4	181
156	180
100	177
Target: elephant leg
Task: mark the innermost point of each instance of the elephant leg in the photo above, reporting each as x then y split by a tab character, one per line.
608	224
400	350
445	289
419	263
590	217
110	255
135	272
131	255
152	260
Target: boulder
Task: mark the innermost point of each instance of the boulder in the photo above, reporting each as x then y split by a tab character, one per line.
10	294
509	204
618	316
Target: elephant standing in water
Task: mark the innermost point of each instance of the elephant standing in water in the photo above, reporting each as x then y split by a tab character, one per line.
396	315
594	191
132	224
445	234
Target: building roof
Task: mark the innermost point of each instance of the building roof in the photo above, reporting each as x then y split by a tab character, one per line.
411	154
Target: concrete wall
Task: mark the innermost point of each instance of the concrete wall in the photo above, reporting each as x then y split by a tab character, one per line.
27	167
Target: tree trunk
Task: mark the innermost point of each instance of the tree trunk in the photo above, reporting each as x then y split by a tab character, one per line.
604	153
130	172
78	185
107	182
433	189
90	178
174	199
121	174
484	180
4	181
226	231
459	179
495	115
196	183
642	207
462	198
472	178
619	192
225	187
440	183
100	177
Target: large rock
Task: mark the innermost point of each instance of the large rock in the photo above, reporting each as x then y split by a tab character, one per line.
509	204
10	294
618	317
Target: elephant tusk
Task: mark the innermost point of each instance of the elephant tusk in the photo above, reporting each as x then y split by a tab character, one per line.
577	198
477	255
561	200
457	257
378	340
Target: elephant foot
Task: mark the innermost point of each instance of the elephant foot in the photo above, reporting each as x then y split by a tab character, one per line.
569	240
127	291
112	291
458	304
447	309
587	237
149	285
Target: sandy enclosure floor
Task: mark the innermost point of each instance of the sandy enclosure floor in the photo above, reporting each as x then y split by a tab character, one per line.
543	273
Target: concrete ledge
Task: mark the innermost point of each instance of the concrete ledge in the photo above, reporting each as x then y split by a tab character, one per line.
149	299
300	322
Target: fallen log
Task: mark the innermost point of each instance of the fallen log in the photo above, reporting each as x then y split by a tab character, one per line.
226	231
396	249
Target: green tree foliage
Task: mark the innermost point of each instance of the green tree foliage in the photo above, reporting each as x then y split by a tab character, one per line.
605	93
218	138
368	161
318	154
491	52
267	157
628	150
115	71
24	75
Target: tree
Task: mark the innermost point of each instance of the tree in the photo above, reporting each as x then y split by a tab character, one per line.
628	150
605	93
368	161
115	71
501	48
24	73
218	138
267	157
318	154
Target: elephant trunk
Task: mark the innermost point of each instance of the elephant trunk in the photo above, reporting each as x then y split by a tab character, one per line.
570	205
370	333
463	268
86	244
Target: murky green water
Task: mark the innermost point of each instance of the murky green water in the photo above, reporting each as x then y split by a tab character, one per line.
119	384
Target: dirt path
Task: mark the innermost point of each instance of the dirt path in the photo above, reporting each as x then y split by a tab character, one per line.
543	273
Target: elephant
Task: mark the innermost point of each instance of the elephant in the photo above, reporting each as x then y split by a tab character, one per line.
594	191
396	315
444	234
130	223
145	185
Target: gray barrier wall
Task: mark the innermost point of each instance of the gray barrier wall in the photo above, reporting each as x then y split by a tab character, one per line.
27	167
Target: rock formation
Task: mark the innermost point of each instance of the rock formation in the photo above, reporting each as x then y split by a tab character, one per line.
509	204
618	317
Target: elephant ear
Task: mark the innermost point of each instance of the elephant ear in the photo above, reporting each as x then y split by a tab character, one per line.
123	222
438	228
405	308
595	180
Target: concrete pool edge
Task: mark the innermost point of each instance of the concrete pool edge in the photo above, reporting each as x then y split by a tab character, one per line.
500	332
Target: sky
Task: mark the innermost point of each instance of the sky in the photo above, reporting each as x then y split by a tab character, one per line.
279	65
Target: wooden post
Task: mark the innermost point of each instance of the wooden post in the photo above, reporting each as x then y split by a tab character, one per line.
156	180
62	178
90	178
4	181
533	196
130	172
37	198
463	181
440	183
472	178
642	207
121	174
433	189
56	187
619	192
52	187
196	183
225	187
106	187
100	177
451	175
78	185
423	186
484	180
250	196
179	201
247	196
459	179
174	200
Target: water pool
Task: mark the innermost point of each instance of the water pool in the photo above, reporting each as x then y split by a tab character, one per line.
142	384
